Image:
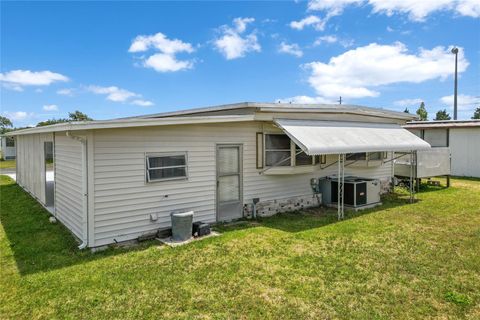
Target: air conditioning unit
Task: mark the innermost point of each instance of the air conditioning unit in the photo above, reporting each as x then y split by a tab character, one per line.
181	226
359	193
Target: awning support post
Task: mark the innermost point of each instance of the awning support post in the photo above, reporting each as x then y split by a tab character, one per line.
392	173
341	191
412	170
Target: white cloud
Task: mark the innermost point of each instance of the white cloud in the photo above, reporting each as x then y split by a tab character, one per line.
160	42
165	60
408	102
346	43
416	10
18	115
232	45
113	93
162	62
333	39
117	94
333	7
325	39
292	49
241	24
66	92
17	79
306	100
464	102
469	8
142	103
419	10
314	21
50	107
356	73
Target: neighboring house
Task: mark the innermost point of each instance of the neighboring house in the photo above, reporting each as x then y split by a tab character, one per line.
461	136
7	148
117	180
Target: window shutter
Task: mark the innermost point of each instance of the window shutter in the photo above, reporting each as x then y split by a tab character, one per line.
259	150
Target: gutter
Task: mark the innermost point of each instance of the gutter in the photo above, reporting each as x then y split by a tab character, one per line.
83	141
129	123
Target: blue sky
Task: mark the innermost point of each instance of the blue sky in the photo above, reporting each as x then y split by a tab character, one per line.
116	59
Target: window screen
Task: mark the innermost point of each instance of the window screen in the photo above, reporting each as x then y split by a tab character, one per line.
356	156
375	156
302	159
277	150
166	166
10	142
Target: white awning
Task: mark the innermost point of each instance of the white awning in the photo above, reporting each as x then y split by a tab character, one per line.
336	137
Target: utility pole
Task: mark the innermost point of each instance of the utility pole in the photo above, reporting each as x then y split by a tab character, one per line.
340	100
455	52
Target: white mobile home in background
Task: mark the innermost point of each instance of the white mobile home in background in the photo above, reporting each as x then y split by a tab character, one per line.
117	180
7	148
461	136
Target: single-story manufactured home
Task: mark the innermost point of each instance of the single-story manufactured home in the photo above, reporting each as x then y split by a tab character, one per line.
118	180
461	136
7	148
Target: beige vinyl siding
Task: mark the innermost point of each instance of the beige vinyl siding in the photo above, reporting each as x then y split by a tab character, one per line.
123	200
465	150
69	175
31	163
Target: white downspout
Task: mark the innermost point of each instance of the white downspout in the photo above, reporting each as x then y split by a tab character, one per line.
83	141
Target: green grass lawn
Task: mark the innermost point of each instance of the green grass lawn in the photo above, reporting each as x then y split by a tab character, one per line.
7	164
399	261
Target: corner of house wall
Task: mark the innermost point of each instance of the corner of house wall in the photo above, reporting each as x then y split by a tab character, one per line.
90	188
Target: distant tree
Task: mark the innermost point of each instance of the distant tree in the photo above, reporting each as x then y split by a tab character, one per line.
422	112
4	124
78	116
442	115
406	110
476	114
72	116
50	122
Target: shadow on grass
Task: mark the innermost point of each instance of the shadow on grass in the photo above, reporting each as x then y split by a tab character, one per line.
475	179
313	218
36	244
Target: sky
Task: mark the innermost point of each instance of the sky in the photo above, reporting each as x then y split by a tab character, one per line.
117	59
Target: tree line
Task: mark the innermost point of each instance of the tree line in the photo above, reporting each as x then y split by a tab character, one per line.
440	115
7	125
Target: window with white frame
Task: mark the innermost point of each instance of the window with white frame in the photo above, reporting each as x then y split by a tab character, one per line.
166	166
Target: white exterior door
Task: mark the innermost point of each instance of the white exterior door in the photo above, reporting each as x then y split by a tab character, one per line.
229	182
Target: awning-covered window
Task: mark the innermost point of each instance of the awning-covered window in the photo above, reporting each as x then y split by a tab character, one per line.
336	137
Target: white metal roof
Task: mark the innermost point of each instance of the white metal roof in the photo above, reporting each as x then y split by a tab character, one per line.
129	123
245	111
334	137
288	108
443	124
